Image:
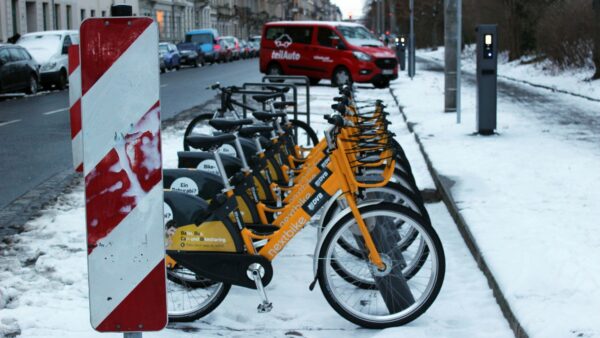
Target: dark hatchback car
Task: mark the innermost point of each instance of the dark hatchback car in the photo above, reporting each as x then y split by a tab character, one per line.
18	71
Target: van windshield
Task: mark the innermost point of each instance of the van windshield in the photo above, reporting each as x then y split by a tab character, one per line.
199	38
358	35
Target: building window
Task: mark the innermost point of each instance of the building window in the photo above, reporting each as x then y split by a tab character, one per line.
103	13
92	13
15	16
57	20
69	17
45	15
82	14
160	19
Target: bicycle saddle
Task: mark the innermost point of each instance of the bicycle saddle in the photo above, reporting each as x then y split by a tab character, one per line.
283	104
267	117
205	142
266	97
251	131
228	124
278	89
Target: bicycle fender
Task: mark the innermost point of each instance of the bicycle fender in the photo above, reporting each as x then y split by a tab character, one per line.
325	209
334	221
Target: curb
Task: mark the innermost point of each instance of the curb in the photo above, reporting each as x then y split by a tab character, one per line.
18	212
444	189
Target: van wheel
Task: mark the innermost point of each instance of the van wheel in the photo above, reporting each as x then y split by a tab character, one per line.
62	80
382	83
274	69
341	76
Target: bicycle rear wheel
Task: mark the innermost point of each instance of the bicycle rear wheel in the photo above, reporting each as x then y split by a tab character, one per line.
187	302
394	299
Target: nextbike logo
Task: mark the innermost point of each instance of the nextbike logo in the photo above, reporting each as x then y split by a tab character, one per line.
296	207
284	41
285	55
287	235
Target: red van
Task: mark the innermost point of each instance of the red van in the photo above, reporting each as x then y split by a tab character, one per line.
341	51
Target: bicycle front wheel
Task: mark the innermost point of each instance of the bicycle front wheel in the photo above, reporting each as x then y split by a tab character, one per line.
394	299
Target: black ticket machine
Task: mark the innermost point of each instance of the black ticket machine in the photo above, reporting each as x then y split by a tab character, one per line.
487	74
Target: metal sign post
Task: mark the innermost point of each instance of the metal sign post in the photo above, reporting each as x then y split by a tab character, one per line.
122	166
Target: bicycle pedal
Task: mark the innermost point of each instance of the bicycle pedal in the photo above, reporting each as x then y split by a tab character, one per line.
265	307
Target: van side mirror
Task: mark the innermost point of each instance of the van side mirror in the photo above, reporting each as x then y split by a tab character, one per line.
65	49
341	46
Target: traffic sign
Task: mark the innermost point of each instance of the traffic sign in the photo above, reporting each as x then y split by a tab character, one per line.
120	115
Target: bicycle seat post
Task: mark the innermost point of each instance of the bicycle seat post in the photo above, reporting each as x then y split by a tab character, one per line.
221	168
238	147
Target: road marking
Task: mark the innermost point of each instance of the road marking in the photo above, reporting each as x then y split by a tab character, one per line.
55	111
163	86
2	124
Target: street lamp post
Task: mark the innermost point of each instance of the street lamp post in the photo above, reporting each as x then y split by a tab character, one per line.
411	41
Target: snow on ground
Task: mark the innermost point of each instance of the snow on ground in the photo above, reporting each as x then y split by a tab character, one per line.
43	279
531	197
573	80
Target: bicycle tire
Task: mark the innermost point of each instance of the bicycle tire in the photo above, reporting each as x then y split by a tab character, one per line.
297	124
406	315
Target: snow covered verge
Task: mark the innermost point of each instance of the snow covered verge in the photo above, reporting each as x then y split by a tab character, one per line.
43	274
540	74
530	196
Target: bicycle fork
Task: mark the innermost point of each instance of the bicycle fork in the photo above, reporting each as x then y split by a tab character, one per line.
373	254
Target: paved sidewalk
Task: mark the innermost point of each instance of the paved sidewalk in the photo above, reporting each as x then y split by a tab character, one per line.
529	195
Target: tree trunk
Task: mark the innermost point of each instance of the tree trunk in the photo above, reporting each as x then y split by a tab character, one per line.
596	34
514	36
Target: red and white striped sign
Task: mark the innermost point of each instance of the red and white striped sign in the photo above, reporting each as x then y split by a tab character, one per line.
123	174
75	107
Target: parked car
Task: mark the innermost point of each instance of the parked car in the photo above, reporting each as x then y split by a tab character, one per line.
170	54
225	50
340	51
161	63
18	70
206	42
245	51
50	49
234	45
255	38
189	54
255	47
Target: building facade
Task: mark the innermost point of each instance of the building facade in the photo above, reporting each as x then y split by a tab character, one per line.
240	18
24	16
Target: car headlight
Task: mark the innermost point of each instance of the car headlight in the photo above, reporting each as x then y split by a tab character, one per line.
49	66
362	56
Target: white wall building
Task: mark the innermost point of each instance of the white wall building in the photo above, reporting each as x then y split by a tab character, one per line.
24	16
174	17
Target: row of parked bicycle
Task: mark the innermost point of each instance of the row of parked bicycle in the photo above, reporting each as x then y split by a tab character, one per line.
259	181
225	49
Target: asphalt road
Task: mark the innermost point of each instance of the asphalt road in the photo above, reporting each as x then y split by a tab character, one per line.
35	142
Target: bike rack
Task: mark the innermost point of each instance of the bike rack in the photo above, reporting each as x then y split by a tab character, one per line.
295	80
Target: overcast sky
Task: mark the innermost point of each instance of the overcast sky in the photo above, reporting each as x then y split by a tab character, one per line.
350	7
